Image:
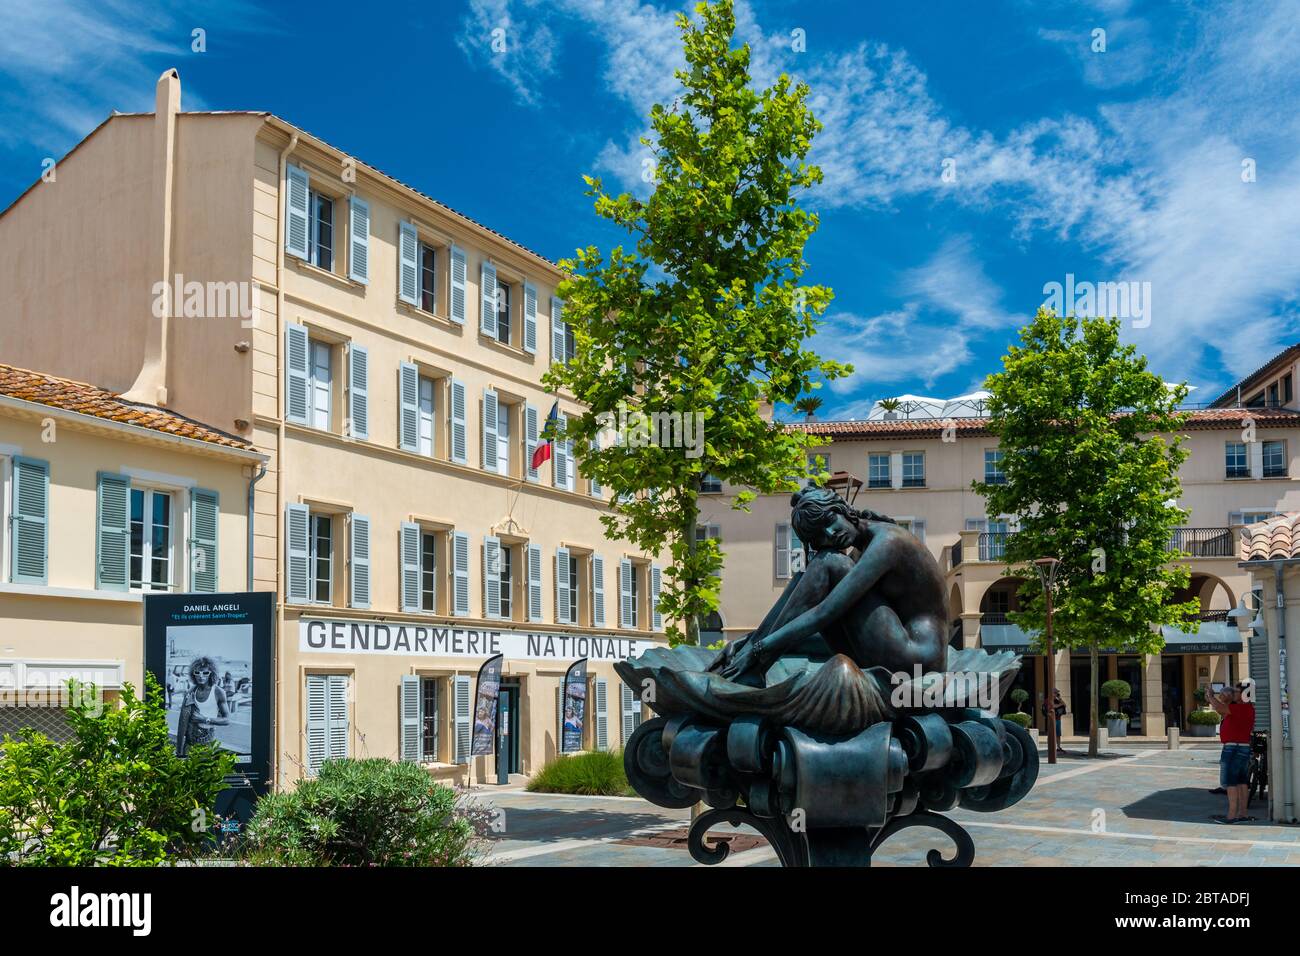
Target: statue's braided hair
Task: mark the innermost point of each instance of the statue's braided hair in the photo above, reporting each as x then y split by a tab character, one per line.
813	508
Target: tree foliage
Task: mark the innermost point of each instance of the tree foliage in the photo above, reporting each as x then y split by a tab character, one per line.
115	794
704	313
1091	450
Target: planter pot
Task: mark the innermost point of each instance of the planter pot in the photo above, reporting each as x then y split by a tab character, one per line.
1117	727
1202	730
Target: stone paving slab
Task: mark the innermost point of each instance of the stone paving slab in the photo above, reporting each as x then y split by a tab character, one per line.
1133	807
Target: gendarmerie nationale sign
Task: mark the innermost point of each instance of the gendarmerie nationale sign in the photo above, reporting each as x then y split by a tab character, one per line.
334	636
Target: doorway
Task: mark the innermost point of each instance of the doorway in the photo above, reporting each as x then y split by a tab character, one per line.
508	729
1129	670
1081	692
1171	689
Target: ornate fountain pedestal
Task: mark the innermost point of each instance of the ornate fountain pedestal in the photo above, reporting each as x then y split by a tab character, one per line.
832	800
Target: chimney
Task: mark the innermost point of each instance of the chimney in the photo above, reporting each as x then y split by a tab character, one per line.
150	385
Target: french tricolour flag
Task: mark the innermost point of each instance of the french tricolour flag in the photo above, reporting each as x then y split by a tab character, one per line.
543	450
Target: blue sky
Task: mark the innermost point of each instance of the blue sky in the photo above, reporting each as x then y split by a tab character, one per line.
1115	165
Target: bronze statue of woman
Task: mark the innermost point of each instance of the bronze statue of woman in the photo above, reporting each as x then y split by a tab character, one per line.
871	591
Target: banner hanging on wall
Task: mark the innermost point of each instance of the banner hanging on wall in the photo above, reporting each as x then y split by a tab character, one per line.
485	707
575	706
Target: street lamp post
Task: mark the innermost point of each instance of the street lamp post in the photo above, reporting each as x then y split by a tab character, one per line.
1046	568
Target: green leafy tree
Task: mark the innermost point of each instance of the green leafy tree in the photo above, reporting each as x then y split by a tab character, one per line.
1091	449
703	316
115	794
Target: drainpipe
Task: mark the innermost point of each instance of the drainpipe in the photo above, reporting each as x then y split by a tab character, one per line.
280	450
150	387
252	484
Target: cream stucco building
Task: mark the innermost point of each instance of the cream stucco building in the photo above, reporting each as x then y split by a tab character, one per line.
101	502
917	463
385	354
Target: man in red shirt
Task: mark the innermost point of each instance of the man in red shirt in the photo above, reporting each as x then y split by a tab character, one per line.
1234	763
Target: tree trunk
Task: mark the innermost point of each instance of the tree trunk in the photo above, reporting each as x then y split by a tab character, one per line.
1094	666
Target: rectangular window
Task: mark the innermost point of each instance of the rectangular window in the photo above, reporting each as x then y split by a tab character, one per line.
1274	459
993	473
999	603
503	437
1236	464
428	571
507	581
914	469
151	540
503	312
429	719
428	272
320	385
710	485
878	471
1287	392
1252	517
824	466
635	607
424	415
321	559
320	227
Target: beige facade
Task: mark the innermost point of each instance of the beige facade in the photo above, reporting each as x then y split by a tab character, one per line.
1243	464
395	397
60	615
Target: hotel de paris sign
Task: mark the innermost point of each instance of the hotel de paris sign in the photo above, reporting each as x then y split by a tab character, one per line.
335	636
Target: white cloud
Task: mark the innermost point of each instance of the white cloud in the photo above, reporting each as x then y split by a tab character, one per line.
511	39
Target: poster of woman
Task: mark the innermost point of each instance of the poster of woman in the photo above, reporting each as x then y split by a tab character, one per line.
209	687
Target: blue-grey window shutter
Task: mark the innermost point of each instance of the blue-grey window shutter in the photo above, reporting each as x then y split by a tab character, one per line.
534	583
408	419
491	576
530	318
557	332
491	441
339	735
296	201
411	737
30	520
297	533
462	685
410	558
113	542
204	519
625	608
597	591
656	585
460	574
359	234
456	295
359	595
408	264
317	693
295	371
594	485
565	613
359	390
530	441
459	453
487	323
602	714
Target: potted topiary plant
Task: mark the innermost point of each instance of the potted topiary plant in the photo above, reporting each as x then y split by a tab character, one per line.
890	407
1116	719
1203	723
1018	697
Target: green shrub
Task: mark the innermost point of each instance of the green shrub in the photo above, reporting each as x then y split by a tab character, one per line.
373	812
1208	718
1120	689
1024	720
1115	715
1018	697
115	794
596	773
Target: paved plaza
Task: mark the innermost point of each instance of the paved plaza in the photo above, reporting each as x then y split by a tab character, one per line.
1134	806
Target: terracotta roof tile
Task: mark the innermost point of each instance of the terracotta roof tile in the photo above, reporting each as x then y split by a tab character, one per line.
73	396
1277	539
1199	420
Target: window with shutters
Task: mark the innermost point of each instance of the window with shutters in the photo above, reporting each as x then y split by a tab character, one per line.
328	729
634	604
507	579
429	698
424	416
571	571
1236	462
574	588
321	559
504	299
24	518
1274	459
152	532
320	231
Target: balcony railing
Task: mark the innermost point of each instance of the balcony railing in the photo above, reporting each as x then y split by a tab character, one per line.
1204	542
994	617
993	545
